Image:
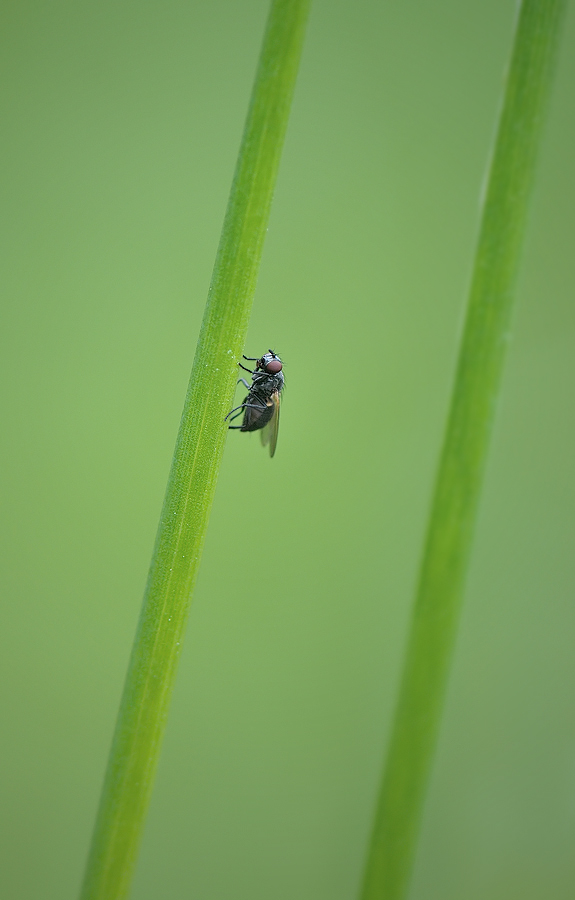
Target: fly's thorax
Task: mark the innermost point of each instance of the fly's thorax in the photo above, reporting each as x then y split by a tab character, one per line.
265	385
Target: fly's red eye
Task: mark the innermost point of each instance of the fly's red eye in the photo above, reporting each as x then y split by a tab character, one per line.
273	367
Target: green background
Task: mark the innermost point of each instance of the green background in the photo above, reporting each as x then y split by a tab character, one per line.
121	127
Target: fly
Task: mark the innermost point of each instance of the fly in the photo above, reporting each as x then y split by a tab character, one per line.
261	406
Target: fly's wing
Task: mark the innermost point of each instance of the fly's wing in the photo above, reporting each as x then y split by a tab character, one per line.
270	431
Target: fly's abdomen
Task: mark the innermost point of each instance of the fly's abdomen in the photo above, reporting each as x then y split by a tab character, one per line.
257	413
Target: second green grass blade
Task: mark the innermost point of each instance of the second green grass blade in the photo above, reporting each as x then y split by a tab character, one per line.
149	682
462	464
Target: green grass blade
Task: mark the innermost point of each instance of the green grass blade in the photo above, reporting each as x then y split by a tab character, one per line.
142	717
462	463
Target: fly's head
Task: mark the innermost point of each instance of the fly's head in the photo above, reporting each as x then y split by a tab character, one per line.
270	363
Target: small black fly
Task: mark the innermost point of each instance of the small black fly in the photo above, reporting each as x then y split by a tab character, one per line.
261	407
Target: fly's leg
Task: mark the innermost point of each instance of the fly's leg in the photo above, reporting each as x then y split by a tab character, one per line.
240	407
245	405
251	406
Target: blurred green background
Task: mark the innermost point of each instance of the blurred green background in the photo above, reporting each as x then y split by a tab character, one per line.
121	126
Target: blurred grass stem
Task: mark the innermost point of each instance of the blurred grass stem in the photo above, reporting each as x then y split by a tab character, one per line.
197	456
462	463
